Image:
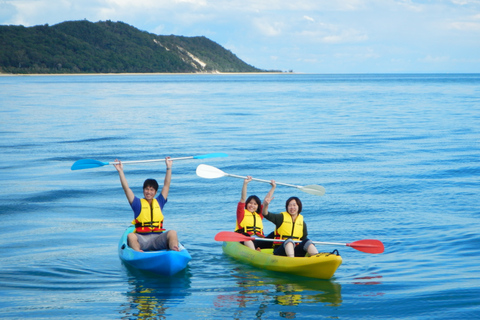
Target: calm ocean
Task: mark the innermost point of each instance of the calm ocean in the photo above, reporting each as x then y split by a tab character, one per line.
399	156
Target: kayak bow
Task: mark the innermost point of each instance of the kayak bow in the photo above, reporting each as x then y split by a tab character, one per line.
163	262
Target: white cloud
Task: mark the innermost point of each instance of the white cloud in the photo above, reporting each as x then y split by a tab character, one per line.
331	34
309	18
470	23
409	5
152	4
349	35
465	26
196	2
334	34
361	56
465	2
434	59
267	28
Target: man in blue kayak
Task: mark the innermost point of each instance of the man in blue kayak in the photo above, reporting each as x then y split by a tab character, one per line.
148	217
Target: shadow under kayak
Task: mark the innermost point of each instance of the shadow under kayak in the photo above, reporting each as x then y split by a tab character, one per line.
163	262
320	266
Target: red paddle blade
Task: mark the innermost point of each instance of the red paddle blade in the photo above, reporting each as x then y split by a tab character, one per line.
369	246
231	236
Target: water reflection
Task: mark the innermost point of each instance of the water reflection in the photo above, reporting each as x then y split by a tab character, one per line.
369	280
257	290
151	295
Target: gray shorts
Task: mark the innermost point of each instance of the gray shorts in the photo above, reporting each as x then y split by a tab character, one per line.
153	241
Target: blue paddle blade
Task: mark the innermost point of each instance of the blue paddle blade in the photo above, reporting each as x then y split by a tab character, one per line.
88	164
211	155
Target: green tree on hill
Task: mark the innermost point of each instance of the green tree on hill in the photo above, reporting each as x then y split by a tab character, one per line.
109	47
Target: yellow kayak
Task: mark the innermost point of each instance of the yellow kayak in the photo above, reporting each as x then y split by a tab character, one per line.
320	266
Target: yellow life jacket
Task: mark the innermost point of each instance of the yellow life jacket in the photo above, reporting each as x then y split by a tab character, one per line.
251	224
288	229
150	218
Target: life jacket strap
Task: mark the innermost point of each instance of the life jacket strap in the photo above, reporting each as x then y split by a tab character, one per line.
148	227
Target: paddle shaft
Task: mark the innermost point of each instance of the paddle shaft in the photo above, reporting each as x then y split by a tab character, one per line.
209	172
362	245
260	180
91	163
153	160
368	245
297	241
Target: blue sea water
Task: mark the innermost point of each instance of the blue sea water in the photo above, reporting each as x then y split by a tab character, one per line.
399	156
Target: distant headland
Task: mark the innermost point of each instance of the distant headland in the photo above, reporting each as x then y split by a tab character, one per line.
76	47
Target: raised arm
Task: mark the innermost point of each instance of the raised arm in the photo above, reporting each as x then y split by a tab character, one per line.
266	202
168	178
268	198
123	180
272	190
243	197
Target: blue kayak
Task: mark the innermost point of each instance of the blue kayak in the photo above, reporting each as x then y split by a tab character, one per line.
163	262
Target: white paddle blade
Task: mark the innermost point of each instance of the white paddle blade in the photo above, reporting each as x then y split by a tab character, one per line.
209	172
314	189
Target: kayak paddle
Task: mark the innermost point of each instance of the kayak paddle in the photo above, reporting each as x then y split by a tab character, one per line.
368	246
210	172
90	163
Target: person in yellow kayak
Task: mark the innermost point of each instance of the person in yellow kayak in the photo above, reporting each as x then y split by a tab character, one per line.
290	226
149	234
249	216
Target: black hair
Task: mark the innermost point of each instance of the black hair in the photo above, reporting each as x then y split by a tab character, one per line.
299	203
256	199
151	183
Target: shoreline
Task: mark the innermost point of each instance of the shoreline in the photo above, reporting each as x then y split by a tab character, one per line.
228	73
134	73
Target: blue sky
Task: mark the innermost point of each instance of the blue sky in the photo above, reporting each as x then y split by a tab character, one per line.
311	36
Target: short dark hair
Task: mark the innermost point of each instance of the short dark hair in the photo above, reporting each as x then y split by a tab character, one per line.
299	203
151	183
256	199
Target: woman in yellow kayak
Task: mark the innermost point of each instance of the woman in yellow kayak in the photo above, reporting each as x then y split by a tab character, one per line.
289	226
249	216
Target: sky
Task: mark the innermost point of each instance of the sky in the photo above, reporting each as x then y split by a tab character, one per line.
306	36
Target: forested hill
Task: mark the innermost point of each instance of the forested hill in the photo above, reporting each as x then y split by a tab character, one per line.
109	47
